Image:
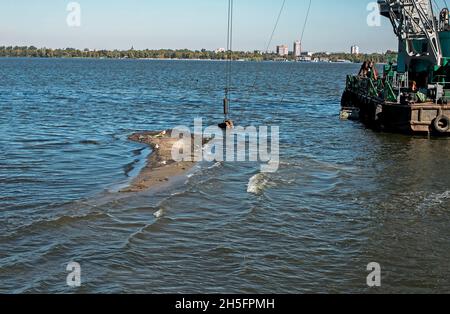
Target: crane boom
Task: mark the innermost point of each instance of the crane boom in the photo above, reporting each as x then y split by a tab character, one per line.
414	21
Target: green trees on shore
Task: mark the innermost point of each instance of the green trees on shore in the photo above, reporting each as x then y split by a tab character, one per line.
174	54
375	57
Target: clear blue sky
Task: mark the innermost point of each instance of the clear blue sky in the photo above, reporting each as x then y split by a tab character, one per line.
333	26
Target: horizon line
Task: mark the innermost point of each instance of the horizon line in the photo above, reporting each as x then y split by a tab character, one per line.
186	49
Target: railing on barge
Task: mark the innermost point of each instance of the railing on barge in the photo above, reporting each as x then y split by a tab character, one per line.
383	89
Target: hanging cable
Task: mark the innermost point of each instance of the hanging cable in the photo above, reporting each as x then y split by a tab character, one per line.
308	11
269	43
275	26
436	5
226	101
306	20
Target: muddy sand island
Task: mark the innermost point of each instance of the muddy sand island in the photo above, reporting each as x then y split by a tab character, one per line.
160	167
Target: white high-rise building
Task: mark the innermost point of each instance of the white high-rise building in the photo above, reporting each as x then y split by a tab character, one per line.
297	48
283	50
354	50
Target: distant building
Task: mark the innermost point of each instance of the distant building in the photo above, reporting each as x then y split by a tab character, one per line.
283	50
354	50
307	54
220	50
297	49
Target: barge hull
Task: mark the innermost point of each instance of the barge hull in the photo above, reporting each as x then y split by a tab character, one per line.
409	118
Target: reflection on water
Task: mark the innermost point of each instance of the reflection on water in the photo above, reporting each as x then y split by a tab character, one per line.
344	196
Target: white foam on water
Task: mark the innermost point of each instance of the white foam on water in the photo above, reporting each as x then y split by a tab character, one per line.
159	213
257	184
216	165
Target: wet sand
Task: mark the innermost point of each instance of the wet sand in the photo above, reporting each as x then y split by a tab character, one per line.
160	167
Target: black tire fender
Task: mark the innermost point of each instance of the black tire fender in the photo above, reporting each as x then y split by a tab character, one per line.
441	124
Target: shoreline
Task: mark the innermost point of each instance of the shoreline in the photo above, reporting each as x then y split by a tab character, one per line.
174	59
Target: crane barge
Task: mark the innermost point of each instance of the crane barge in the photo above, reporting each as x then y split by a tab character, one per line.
412	96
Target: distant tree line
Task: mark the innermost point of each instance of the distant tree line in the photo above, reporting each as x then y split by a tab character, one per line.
386	57
177	54
130	54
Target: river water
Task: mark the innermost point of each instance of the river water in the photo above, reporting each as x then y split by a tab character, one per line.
344	196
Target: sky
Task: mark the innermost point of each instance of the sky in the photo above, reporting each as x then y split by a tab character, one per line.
333	25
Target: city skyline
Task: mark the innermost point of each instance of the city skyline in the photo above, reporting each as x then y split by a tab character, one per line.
354	50
199	24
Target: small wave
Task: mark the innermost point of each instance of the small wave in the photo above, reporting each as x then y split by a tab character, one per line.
257	184
421	202
128	168
21	180
308	162
159	213
53	223
89	142
216	165
138	151
433	200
